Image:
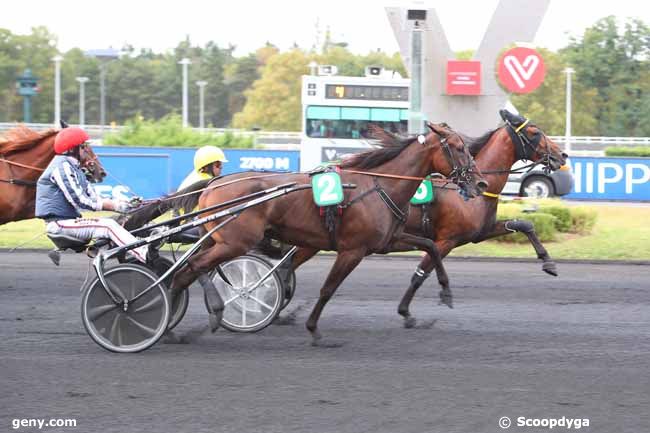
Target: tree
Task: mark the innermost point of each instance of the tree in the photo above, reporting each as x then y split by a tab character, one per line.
615	64
18	52
273	102
546	105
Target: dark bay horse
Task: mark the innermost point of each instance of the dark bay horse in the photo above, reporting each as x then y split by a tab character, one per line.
386	179
24	154
451	221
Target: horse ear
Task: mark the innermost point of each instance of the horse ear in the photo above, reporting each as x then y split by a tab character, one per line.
63	123
505	115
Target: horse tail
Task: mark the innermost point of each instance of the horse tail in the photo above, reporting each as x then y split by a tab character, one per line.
187	198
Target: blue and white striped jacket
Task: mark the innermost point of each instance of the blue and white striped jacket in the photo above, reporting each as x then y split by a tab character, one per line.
62	191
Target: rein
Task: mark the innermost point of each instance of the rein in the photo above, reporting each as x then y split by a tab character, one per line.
31	167
160	200
19	182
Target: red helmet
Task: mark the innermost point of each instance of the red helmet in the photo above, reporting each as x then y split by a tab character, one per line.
69	138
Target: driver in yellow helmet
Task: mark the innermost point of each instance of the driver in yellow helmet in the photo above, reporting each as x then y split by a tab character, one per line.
208	161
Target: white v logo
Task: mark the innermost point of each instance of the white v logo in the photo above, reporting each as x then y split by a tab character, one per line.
519	72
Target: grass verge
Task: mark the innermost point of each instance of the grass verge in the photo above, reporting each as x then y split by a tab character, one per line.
620	233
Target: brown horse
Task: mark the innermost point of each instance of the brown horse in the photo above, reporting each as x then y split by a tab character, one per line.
386	178
24	154
451	221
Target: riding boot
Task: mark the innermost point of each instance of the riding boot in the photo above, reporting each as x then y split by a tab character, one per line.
214	301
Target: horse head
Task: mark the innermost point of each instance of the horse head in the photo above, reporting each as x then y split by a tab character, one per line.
90	164
450	150
532	143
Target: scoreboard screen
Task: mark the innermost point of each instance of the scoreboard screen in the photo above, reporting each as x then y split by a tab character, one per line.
368	93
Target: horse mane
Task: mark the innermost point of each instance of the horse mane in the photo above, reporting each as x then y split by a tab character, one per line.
475	144
22	138
390	144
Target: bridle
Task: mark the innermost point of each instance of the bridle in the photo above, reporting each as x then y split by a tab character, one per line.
89	163
459	173
526	148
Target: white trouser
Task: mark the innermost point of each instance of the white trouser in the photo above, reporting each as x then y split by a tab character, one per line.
86	229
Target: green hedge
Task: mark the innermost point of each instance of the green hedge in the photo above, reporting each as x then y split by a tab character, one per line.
169	132
628	151
549	217
562	215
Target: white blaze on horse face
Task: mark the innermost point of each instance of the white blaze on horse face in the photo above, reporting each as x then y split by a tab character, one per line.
421	139
521	72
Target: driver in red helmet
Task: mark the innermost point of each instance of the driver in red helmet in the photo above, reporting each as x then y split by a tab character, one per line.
63	191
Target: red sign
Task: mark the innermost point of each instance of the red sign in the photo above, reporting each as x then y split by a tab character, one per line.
463	77
521	70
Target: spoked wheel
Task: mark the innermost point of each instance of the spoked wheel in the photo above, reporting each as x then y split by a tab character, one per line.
181	302
125	327
247	309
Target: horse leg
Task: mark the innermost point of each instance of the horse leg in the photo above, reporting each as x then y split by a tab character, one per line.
436	258
301	256
199	267
436	251
506	227
421	273
345	263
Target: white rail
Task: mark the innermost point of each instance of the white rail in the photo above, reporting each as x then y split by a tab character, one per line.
96	131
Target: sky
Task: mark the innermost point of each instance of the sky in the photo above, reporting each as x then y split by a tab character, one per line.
161	24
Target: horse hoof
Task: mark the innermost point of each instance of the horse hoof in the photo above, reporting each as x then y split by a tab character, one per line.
315	337
215	320
550	268
410	322
446	298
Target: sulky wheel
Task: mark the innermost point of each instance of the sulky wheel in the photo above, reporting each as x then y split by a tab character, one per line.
125	327
249	310
160	265
289	288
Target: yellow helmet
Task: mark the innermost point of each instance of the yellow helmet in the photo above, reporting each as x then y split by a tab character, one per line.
207	155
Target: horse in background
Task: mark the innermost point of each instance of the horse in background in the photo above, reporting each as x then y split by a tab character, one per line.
24	155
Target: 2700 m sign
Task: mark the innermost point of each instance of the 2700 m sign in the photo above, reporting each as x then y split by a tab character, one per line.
264	163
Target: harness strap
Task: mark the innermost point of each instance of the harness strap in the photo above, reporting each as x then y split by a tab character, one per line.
520	127
518	170
490	194
19	182
399	214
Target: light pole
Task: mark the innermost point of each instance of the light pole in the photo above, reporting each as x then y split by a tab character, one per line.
567	131
185	62
82	100
201	85
104	56
57	90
